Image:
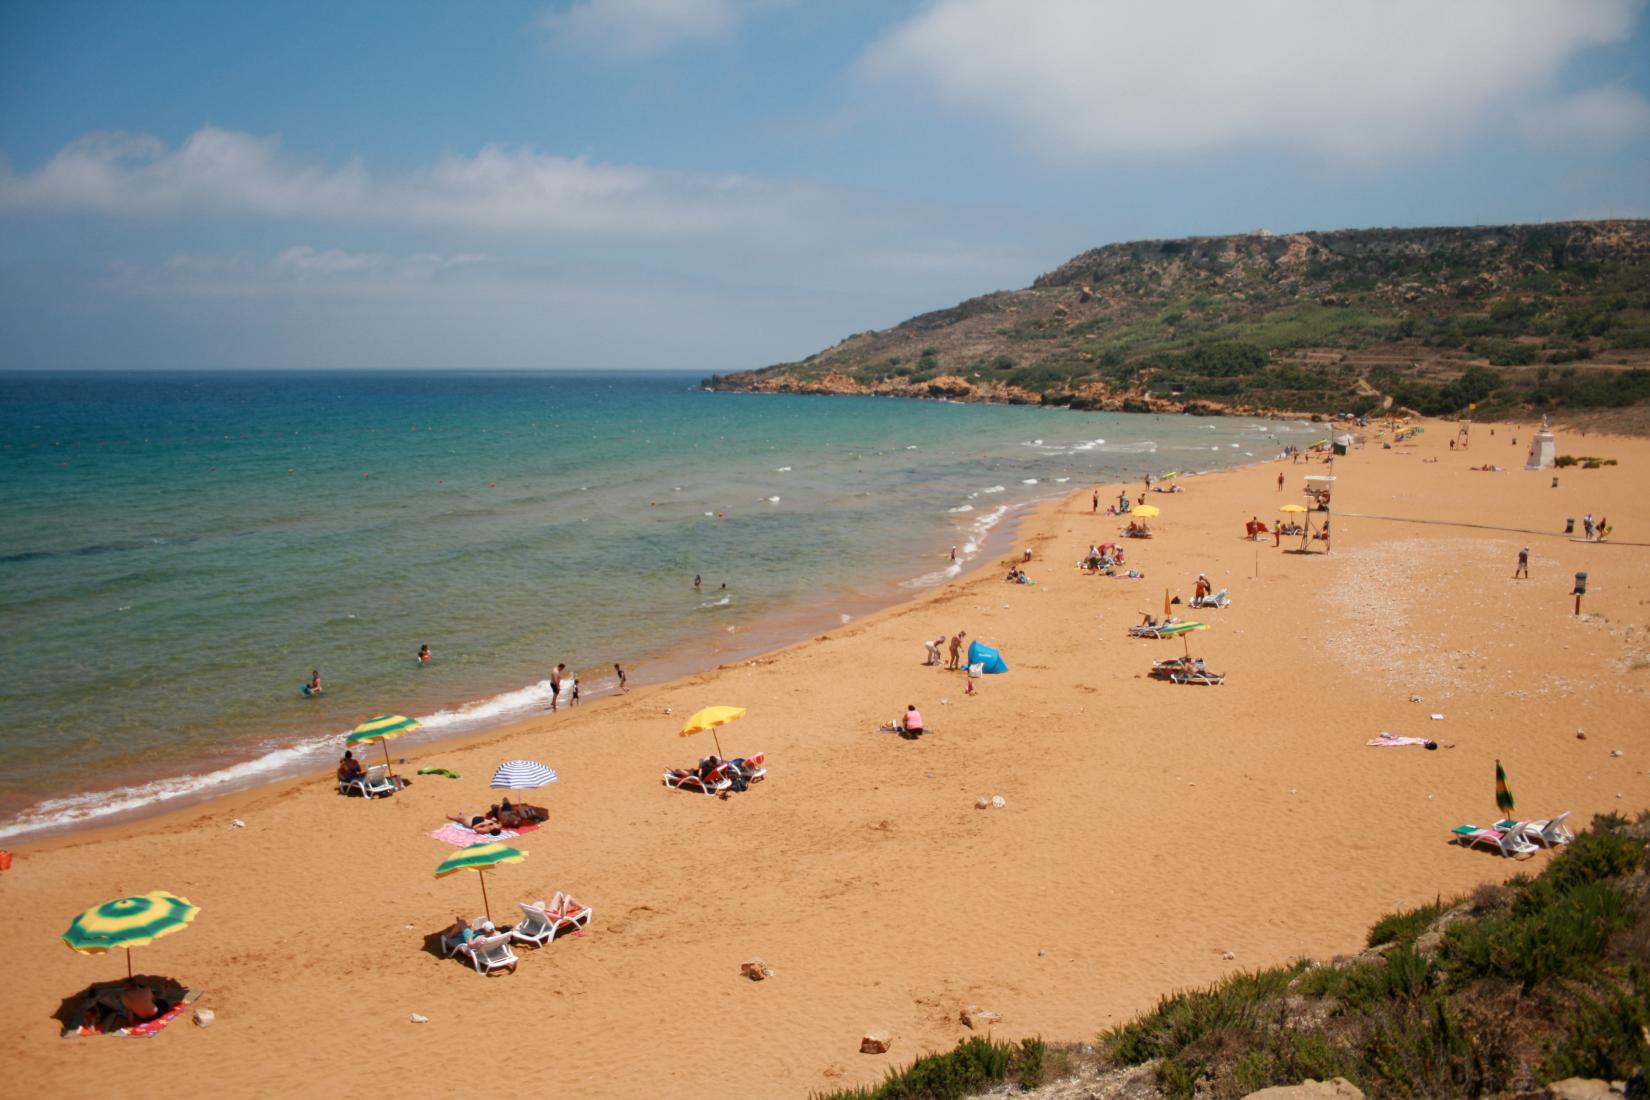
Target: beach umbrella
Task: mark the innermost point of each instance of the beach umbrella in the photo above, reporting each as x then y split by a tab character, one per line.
709	719
480	859
1148	511
1503	797
1182	629
1293	508
128	923
522	775
381	729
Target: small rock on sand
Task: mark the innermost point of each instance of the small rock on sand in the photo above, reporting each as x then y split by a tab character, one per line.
875	1042
998	802
755	969
982	803
204	1017
978	1018
419	1018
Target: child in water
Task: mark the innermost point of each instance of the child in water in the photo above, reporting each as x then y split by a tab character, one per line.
314	685
423	653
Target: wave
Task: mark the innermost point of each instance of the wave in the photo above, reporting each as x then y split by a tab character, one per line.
723	602
961	508
995	489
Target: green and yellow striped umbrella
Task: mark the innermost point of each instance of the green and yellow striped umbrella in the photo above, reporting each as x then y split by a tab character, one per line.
479	859
128	923
381	729
1181	628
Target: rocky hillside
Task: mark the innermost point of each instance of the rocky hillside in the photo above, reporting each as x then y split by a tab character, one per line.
1437	320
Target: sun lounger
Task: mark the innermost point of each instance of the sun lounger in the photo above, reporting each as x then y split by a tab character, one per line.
1140	630
749	768
493	953
544	921
452	945
1198	675
1219	599
678	779
1547	833
1506	842
376	782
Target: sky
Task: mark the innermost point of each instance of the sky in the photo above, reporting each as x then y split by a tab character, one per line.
722	184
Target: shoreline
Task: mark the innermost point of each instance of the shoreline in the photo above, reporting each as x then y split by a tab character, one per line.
770	632
1154	837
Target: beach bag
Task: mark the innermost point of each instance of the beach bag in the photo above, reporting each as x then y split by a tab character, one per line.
976	670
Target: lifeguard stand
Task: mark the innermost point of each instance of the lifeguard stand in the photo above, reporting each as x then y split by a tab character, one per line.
1543	449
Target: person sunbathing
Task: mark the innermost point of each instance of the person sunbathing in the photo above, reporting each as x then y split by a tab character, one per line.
479	823
349	768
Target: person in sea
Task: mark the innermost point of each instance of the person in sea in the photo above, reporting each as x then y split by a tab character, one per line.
423	653
314	685
697	581
619	672
349	768
555	685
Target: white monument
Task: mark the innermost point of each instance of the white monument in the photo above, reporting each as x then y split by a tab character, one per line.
1543	451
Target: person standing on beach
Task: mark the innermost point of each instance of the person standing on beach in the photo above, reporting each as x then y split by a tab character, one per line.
1280	481
620	673
1523	569
1096	508
956	649
953	553
555	686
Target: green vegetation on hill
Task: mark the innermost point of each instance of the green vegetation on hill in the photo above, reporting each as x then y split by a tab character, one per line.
1489	996
1438	320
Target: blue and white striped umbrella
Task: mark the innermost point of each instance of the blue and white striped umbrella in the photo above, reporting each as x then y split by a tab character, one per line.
521	775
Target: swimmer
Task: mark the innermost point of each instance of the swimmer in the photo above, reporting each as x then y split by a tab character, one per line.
696	582
423	653
622	678
314	685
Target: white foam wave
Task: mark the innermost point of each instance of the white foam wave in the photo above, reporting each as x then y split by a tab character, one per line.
995	489
1061	480
723	602
961	508
783	470
773	500
491	709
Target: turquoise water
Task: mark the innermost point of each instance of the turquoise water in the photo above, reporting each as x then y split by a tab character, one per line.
178	551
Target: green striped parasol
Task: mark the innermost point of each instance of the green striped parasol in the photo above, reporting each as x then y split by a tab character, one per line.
381	729
1503	797
128	923
480	859
1181	628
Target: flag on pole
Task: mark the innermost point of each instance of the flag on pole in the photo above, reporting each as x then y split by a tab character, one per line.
1503	797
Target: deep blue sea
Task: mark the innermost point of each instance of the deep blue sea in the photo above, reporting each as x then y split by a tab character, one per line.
179	550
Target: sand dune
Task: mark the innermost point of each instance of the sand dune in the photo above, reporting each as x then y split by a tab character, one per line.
1148	828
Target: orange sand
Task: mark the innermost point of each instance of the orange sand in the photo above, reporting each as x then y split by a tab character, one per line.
1148	828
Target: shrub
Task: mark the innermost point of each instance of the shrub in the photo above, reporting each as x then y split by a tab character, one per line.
1405	926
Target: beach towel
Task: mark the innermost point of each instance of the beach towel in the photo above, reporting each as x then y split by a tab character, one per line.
1391	741
448	772
461	837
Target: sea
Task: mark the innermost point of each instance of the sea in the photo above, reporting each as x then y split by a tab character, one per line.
179	551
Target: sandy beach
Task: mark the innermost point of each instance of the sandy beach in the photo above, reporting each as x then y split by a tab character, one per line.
1149	830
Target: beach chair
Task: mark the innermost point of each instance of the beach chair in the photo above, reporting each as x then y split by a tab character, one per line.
452	945
1506	842
679	779
1219	599
543	922
1197	675
493	953
1140	630
749	768
1548	833
376	781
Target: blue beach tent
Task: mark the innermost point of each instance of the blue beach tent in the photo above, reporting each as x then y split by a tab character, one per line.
980	654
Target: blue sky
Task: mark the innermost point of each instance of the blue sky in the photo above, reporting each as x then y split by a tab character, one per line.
720	184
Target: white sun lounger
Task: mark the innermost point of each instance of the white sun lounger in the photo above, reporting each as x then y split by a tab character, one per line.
1507	842
543	922
1548	833
493	953
376	781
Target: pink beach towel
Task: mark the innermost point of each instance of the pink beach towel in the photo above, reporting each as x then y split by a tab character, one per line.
1391	740
459	837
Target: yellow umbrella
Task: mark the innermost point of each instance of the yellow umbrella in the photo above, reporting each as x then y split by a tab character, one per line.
1293	508
479	858
1149	511
709	719
381	729
128	923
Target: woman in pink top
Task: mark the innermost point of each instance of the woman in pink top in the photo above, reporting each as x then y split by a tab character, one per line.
913	720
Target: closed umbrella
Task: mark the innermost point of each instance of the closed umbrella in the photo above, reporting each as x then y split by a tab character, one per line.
382	729
480	859
1503	797
709	719
128	923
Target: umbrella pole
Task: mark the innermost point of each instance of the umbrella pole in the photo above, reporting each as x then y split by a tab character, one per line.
128	964
485	907
718	741
386	745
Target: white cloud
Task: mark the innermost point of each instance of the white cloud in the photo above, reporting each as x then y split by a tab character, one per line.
516	191
633	29
1344	80
1602	115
